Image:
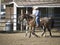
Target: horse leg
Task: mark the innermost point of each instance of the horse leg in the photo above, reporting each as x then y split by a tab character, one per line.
30	31
26	30
44	28
33	32
30	35
49	31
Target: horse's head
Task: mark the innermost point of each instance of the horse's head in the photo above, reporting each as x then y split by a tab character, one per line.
21	17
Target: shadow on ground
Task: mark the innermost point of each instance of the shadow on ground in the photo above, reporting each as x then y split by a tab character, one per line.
54	36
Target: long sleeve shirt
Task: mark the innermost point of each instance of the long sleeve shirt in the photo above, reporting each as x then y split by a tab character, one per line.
36	13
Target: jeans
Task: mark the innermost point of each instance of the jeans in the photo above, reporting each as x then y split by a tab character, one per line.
37	21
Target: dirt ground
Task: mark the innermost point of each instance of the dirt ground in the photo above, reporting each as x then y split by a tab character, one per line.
20	39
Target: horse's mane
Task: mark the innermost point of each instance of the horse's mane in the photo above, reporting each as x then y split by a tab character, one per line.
28	16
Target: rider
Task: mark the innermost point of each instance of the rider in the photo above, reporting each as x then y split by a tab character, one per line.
37	14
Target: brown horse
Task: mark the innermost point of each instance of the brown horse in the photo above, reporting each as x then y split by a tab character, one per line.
44	22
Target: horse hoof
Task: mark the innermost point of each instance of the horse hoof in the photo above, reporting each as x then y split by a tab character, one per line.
43	35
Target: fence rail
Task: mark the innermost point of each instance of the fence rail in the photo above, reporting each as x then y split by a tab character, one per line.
37	0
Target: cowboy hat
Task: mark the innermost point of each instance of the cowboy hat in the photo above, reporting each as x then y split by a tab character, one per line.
35	7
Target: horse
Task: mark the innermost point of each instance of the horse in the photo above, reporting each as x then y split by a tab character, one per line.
44	22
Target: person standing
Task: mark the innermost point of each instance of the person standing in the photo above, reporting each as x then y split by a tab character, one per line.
37	14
